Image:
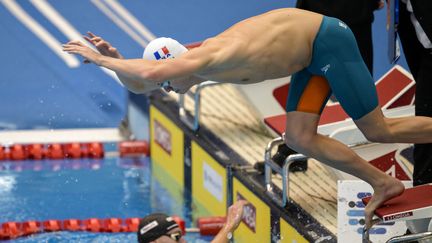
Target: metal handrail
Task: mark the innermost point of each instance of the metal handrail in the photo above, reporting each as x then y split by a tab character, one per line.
193	123
271	166
410	238
397	239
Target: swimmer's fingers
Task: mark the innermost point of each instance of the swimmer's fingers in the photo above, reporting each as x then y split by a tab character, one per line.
93	40
242	202
97	39
235	214
76	43
103	44
112	49
87	53
74	48
92	37
100	44
90	34
88	39
70	48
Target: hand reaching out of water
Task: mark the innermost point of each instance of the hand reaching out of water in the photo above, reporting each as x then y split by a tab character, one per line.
233	219
235	214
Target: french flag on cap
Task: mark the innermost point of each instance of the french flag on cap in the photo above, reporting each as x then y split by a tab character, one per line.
162	53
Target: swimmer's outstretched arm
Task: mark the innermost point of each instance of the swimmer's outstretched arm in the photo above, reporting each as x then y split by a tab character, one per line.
142	75
105	48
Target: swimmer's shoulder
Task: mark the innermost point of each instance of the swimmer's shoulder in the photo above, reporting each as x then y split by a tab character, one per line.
292	11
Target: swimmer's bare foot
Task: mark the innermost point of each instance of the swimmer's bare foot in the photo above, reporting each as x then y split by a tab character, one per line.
389	189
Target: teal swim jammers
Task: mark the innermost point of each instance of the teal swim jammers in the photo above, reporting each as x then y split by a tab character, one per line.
337	67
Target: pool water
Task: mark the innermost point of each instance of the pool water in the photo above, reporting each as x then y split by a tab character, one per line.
112	187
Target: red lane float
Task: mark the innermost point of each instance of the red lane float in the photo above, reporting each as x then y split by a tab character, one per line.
95	150
210	225
74	150
2	235
181	223
93	225
35	151
72	225
113	225
205	225
51	225
2	153
55	151
31	227
17	152
132	224
133	148
11	230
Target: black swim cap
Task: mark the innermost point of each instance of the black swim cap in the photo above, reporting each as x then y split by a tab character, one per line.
154	226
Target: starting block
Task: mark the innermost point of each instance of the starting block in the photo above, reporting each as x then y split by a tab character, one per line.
414	203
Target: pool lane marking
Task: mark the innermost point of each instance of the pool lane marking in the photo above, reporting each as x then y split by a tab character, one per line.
119	22
66	28
40	32
103	135
130	18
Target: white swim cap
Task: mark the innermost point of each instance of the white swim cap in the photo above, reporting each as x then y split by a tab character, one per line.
163	48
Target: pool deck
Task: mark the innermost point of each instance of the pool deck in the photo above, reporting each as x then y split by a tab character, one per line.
225	112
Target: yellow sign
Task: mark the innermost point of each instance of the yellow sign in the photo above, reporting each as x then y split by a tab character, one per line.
167	183
209	183
289	235
167	146
255	226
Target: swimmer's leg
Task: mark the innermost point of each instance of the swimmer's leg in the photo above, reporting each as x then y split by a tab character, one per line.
342	65
354	88
301	135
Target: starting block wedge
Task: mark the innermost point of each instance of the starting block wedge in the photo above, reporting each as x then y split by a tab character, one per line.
413	203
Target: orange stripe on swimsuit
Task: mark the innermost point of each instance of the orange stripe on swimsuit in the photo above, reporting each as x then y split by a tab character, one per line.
314	95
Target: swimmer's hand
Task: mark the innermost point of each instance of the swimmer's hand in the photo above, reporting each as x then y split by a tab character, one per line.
233	219
235	214
78	48
103	46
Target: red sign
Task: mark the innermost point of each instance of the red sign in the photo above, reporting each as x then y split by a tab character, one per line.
389	164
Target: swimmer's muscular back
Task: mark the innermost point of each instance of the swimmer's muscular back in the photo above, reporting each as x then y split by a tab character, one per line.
272	45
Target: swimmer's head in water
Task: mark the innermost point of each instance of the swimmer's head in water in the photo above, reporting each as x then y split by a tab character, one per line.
154	226
164	48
